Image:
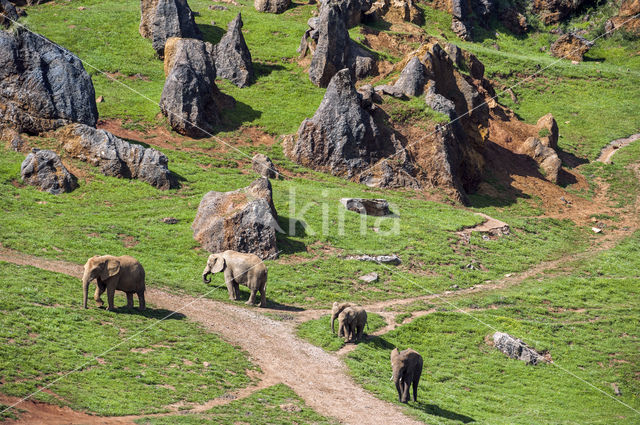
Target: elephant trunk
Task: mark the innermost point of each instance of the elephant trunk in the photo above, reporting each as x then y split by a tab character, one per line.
205	273
85	288
333	320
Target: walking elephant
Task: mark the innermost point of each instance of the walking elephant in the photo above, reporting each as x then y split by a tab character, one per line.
335	312
122	273
407	368
239	269
351	322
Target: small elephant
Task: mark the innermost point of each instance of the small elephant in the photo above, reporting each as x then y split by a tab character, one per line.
122	273
407	368
335	311
239	269
351	322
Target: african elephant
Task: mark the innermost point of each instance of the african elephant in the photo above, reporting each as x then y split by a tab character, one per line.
335	311
351	322
239	269
407	368
122	273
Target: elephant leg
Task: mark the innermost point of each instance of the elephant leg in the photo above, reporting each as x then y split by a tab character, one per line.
252	297
98	294
110	293
416	381
141	300
406	383
231	289
263	297
399	389
129	299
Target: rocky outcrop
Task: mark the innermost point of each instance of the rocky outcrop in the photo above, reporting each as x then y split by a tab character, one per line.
342	137
190	98
548	131
516	349
627	17
571	46
8	13
42	85
115	157
395	11
44	169
263	165
553	11
163	19
232	57
392	259
546	157
335	50
271	6
243	220
374	207
467	14
514	21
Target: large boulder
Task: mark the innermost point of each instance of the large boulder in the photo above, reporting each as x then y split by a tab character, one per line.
190	98
628	17
115	157
412	78
342	137
44	169
374	207
163	19
335	50
571	46
516	349
8	13
396	11
232	57
553	11
243	220
271	6
546	157
548	131
42	85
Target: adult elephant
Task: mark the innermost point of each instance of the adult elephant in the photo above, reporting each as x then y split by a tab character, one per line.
123	273
239	269
407	368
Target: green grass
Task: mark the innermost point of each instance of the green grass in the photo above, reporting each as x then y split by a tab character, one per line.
105	33
276	405
45	335
9	414
318	332
586	320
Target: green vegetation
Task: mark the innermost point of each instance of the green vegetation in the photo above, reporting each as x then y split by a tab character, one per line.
587	321
113	355
277	405
318	331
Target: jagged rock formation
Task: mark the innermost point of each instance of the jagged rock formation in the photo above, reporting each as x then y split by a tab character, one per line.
514	21
374	207
335	50
516	349
546	157
232	57
271	6
163	19
42	85
571	46
548	131
190	98
627	17
44	169
263	165
243	220
553	11
8	13
395	11
115	157
412	78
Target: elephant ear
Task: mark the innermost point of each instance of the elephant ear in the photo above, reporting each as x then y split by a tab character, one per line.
111	268
218	263
394	353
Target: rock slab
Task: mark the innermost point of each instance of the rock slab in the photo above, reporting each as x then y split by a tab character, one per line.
232	57
243	220
42	85
117	158
263	165
373	207
163	19
271	6
571	46
44	169
516	349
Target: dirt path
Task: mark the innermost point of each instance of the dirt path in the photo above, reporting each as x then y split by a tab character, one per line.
319	378
614	146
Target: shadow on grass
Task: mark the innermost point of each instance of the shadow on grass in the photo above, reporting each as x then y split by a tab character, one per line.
262	69
432	409
151	313
211	33
240	114
286	245
273	305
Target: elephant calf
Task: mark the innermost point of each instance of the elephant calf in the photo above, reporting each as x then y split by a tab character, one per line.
351	321
122	273
239	269
407	368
